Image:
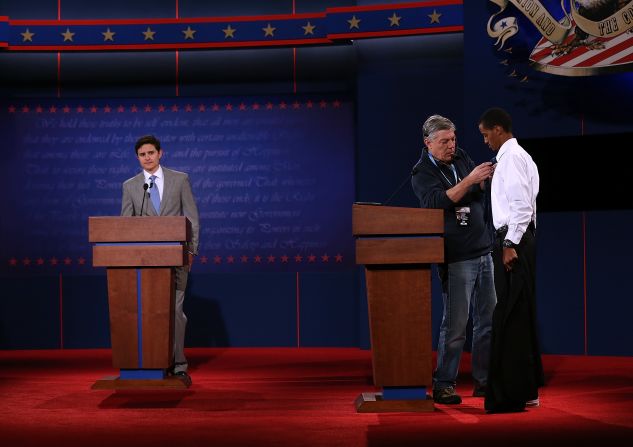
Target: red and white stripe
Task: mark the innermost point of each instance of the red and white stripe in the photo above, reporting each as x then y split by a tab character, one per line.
617	50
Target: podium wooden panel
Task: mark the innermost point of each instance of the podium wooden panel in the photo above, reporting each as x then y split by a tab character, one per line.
397	246
140	253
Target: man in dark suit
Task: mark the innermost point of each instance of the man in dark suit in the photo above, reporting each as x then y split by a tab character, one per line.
168	194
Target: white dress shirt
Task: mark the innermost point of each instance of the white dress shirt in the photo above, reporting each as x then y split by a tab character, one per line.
515	185
159	182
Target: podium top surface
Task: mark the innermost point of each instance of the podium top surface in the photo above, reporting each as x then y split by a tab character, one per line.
368	220
139	229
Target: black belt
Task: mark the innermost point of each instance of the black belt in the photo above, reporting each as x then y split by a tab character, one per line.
504	229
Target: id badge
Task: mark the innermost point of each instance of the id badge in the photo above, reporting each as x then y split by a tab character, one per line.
463	215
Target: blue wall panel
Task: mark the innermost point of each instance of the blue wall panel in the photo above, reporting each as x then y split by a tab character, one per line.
31	10
225	73
400	83
222	8
254	309
85	312
304	6
609	273
559	283
28	75
132	74
29	313
329	309
330	69
117	9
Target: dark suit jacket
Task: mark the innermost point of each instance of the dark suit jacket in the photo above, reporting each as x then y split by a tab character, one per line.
177	200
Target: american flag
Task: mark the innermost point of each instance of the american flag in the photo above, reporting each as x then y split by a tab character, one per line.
595	55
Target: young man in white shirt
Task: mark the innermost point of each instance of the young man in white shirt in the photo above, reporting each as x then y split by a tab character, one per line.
516	371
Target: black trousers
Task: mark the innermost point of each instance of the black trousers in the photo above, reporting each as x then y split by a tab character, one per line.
516	370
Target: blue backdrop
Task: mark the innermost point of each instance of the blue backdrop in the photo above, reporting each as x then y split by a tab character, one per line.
273	177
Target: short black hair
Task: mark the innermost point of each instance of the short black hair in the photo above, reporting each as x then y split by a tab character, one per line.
147	139
496	116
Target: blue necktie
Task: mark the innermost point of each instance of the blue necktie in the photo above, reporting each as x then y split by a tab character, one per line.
155	194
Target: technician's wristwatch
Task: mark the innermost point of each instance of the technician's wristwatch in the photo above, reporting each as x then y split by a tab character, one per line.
507	243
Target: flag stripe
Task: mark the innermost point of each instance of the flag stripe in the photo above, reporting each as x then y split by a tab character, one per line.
628	58
607	52
617	50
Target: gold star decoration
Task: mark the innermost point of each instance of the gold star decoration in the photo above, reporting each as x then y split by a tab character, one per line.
149	34
435	17
108	35
189	33
229	32
354	22
515	74
269	31
68	36
309	29
27	36
394	20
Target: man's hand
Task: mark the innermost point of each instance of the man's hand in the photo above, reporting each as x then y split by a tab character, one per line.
476	176
480	173
509	257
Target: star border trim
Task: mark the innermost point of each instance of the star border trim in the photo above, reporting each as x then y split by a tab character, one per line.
328	27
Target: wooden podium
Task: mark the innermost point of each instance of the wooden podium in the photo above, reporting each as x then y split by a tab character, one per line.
140	253
397	246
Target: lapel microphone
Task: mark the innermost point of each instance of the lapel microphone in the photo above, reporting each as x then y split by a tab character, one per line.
143	202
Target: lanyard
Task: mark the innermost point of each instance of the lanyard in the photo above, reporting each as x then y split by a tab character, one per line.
442	172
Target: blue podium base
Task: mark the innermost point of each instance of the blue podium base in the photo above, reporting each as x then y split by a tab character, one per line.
403	393
140	374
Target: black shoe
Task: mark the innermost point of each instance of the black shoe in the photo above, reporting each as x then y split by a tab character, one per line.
479	391
182	375
446	396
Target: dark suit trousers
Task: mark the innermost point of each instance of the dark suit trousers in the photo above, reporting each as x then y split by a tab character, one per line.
516	370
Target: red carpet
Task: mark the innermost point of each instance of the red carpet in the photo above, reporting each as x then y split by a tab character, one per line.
295	397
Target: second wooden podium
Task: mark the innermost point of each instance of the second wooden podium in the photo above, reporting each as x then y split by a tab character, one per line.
140	253
397	246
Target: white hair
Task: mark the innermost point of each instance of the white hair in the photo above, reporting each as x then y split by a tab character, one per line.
435	123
